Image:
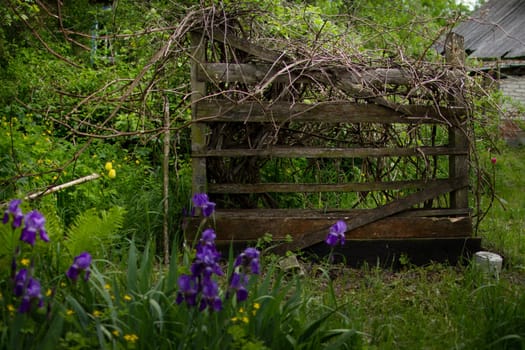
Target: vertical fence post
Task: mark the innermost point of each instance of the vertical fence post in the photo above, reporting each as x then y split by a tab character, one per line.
458	133
198	130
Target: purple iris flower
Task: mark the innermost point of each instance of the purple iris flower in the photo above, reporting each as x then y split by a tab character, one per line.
20	282
187	290
34	222
336	234
249	258
202	201
81	263
238	283
245	263
29	289
210	293
32	292
15	211
199	287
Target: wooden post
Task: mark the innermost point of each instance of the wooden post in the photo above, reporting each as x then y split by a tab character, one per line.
198	130
166	180
458	132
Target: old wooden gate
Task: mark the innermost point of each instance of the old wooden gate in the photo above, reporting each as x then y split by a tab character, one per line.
288	145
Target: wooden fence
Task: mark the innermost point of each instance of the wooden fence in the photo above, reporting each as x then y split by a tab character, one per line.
428	202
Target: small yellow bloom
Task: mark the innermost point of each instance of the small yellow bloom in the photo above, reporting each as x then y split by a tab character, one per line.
108	166
25	262
116	333
49	292
63	284
107	286
112	173
11	308
245	319
137	162
97	313
69	312
131	338
256	306
127	297
234	319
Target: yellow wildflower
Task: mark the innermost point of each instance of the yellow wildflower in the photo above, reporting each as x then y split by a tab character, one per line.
69	312
49	292
137	162
256	306
131	338
25	262
112	173
107	286
116	333
127	297
108	166
97	313
11	308
245	319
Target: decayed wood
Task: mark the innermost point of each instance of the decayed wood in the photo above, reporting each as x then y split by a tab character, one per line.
251	73
316	187
234	228
198	130
387	252
328	112
458	138
310	152
330	214
314	236
256	74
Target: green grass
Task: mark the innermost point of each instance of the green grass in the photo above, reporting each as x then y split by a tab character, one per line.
503	227
440	306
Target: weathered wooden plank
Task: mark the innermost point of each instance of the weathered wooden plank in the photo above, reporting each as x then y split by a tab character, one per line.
260	73
251	73
459	130
235	228
387	252
315	187
314	236
328	112
309	152
330	214
198	130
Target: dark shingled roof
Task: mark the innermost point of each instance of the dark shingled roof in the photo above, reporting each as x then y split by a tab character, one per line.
495	30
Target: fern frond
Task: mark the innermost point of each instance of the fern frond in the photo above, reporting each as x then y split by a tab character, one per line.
94	231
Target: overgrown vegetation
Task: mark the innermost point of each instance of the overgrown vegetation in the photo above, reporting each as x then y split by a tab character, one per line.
85	84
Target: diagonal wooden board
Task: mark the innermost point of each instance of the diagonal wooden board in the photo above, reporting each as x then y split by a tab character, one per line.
310	238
